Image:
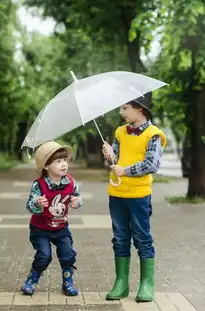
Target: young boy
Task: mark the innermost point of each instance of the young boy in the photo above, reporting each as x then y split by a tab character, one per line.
136	152
51	195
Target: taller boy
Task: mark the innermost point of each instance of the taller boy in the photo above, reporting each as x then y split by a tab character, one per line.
136	151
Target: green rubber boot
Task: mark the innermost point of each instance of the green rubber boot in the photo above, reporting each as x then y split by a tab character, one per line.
146	290
121	286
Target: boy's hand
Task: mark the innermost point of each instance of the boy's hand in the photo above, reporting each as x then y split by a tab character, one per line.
74	202
108	151
118	170
42	201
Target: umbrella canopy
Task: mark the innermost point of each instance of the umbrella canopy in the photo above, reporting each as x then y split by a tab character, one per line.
85	100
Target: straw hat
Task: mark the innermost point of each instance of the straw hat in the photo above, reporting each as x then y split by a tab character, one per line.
45	151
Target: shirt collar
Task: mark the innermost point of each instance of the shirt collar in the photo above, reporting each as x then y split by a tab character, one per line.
143	126
51	185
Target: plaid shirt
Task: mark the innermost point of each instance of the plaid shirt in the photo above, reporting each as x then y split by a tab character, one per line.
151	163
31	205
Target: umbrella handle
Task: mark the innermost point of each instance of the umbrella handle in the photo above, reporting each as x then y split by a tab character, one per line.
113	162
114	184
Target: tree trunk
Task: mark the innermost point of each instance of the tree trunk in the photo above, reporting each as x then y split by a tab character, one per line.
21	133
133	51
196	186
133	48
3	143
94	158
178	143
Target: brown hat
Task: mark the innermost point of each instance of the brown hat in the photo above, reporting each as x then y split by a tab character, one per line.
45	151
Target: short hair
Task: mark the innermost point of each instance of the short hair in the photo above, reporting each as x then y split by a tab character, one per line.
145	111
61	153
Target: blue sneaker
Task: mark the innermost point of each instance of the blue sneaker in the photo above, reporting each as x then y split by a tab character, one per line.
67	287
29	286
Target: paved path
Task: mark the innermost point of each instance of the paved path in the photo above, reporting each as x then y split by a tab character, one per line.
179	239
170	165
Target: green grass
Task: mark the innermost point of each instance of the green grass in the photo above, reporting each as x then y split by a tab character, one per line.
6	162
164	179
161	179
184	200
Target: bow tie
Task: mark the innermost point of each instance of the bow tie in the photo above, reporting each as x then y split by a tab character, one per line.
131	129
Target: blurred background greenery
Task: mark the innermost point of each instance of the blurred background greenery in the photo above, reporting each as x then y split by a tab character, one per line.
91	37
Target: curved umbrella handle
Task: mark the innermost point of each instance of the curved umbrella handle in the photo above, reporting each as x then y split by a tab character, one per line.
114	184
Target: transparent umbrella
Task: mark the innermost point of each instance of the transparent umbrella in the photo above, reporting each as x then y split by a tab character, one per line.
85	100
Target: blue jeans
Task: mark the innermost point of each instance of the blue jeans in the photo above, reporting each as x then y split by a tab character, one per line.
131	220
41	241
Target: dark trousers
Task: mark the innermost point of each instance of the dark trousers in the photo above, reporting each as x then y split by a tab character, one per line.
131	220
42	241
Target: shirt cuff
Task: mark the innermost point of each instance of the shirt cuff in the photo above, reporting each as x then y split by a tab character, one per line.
109	163
128	171
80	203
37	209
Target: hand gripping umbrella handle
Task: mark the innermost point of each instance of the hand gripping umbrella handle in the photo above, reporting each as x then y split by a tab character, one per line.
118	178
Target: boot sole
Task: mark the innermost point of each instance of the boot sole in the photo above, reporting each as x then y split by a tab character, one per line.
118	297
26	294
67	294
143	300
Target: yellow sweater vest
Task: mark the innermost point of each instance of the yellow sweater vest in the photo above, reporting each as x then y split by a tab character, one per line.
132	150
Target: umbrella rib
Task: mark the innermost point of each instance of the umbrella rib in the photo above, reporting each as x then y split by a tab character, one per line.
76	81
98	130
81	118
39	126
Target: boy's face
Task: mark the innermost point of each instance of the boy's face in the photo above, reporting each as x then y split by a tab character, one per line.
131	114
57	168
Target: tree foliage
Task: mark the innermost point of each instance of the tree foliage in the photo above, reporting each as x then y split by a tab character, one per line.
92	37
9	94
181	63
